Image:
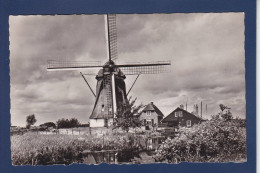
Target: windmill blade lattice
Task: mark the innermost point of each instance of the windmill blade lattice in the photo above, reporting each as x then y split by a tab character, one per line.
72	65
146	68
112	36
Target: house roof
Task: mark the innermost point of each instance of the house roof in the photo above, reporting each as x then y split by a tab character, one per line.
171	116
152	107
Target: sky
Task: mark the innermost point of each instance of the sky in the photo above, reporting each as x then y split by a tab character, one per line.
206	51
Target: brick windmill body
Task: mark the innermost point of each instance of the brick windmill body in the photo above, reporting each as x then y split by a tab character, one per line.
110	89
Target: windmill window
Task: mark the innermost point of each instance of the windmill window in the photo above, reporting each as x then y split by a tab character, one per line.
180	114
188	123
148	112
176	114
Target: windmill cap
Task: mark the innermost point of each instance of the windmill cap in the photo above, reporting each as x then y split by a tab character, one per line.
109	64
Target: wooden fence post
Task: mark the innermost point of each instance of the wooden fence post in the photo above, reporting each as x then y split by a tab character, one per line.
116	162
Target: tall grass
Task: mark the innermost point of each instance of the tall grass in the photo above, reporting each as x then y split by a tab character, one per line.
39	149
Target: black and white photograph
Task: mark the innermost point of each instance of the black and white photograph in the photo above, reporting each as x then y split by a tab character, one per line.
127	88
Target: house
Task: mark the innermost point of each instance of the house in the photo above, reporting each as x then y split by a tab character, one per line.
151	115
181	117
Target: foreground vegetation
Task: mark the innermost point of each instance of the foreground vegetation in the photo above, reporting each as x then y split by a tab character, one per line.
33	149
221	139
217	140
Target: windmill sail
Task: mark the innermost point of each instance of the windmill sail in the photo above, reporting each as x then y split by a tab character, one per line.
145	68
71	65
111	36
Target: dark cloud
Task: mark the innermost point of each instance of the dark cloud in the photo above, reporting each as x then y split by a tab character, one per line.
206	50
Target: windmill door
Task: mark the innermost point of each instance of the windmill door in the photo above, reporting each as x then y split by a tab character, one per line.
106	122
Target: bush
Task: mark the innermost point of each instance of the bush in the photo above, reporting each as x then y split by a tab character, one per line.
216	140
48	124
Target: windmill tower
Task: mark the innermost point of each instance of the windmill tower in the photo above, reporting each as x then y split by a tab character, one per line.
110	88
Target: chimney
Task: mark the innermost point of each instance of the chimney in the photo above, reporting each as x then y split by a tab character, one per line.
197	110
151	103
201	109
182	106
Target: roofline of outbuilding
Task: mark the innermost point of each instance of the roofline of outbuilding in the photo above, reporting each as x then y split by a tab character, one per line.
184	111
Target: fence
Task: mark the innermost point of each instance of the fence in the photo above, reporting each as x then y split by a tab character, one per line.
17	132
70	131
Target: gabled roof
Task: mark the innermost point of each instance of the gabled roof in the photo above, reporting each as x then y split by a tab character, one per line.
152	107
171	116
149	107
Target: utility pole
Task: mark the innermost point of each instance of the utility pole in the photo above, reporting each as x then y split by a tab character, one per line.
206	109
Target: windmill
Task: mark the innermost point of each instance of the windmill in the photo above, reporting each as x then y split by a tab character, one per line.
110	88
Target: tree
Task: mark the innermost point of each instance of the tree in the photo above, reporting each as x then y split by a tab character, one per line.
223	107
227	115
63	123
128	116
74	122
30	120
66	123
